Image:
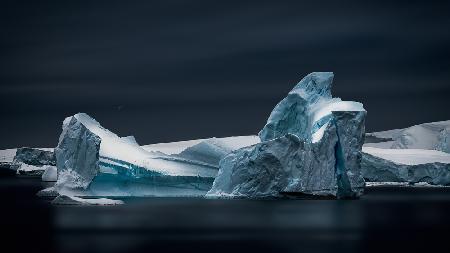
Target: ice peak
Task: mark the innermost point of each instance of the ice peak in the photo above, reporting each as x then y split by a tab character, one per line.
315	85
307	109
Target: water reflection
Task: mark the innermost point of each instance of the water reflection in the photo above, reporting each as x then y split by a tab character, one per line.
385	219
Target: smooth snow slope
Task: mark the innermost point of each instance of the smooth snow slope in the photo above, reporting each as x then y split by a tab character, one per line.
117	152
409	156
431	136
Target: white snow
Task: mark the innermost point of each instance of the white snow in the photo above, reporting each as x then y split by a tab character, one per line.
112	146
408	156
403	184
171	147
72	200
385	144
27	169
434	135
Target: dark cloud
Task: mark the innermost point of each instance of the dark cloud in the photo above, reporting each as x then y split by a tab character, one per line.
172	70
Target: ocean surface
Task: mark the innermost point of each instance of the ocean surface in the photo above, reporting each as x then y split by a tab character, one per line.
385	219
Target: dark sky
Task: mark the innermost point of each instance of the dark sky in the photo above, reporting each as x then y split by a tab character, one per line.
177	70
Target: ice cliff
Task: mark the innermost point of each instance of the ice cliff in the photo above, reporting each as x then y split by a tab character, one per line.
311	144
406	165
415	154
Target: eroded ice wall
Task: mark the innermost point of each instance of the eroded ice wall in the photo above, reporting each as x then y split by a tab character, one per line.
310	144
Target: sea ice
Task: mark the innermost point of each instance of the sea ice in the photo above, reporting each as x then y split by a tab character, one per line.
72	200
310	144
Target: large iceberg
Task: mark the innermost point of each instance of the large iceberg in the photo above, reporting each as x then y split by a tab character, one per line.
93	161
311	144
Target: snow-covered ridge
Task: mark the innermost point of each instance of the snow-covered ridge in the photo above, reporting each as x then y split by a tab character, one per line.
432	136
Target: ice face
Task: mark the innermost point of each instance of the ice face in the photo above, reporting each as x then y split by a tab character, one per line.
406	165
50	174
6	160
310	144
306	109
77	154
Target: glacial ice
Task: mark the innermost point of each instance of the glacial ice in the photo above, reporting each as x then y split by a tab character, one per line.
93	161
6	159
311	144
406	165
72	200
433	136
26	161
35	156
415	154
207	152
50	174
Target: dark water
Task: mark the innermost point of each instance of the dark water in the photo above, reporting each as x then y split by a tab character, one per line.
385	219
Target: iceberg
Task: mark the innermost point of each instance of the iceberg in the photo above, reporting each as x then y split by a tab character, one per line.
32	162
417	154
406	165
27	161
430	136
311	144
93	161
6	160
72	200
